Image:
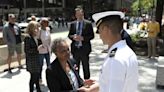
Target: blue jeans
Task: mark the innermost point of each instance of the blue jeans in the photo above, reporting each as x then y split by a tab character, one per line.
41	59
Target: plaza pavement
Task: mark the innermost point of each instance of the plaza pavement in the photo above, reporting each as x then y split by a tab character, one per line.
18	81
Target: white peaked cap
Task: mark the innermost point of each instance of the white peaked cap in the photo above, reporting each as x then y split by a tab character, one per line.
101	15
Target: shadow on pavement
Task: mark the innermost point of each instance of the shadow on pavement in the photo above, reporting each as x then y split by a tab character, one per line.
147	75
9	75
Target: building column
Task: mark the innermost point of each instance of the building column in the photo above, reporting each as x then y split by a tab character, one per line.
63	4
43	8
117	4
25	13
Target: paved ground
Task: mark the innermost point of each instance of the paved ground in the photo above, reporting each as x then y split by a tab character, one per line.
18	81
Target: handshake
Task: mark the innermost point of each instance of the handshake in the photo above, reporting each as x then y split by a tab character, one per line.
89	86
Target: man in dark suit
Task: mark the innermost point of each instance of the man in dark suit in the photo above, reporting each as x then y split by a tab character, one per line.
81	32
125	36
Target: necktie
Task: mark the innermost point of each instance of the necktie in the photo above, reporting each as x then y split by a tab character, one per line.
79	28
78	32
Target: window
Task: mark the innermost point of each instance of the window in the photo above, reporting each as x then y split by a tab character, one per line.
50	1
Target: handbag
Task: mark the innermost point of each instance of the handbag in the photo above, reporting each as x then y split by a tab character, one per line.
39	39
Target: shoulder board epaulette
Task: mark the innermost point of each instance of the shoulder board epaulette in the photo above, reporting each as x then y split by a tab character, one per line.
113	52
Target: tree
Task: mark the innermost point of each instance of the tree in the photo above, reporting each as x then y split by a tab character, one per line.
159	12
142	6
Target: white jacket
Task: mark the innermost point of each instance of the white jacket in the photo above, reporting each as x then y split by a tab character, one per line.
45	37
120	70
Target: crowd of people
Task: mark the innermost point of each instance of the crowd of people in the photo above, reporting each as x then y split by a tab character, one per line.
119	71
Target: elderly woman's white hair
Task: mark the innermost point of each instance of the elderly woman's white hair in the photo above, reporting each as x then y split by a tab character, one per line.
56	43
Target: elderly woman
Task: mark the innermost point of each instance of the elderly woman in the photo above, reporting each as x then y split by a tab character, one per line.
61	75
32	55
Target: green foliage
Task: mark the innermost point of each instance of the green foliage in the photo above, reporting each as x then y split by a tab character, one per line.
138	36
144	5
135	37
135	6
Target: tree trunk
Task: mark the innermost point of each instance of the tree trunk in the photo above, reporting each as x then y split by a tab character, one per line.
159	12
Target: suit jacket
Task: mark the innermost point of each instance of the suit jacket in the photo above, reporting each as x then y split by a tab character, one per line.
31	53
57	80
87	33
126	36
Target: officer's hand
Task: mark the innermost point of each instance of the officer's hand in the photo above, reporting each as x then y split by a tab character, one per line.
83	89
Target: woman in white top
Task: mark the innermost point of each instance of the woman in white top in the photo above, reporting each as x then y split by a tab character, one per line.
44	48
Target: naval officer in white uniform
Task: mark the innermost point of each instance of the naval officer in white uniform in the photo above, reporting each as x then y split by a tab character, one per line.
120	69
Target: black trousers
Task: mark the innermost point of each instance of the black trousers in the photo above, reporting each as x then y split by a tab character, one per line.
84	58
34	79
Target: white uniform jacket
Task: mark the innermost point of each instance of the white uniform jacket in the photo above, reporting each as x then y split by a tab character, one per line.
120	70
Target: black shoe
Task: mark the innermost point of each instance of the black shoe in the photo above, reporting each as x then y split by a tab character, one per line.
9	71
105	51
38	90
20	67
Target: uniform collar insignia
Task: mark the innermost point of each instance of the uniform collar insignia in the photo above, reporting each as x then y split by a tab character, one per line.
113	52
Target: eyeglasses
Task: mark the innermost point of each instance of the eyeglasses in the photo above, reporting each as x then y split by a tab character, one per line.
63	50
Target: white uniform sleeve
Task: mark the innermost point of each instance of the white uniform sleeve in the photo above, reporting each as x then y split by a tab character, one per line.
113	76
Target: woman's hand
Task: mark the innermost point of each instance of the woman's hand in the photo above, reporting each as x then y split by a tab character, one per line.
88	82
40	47
86	87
